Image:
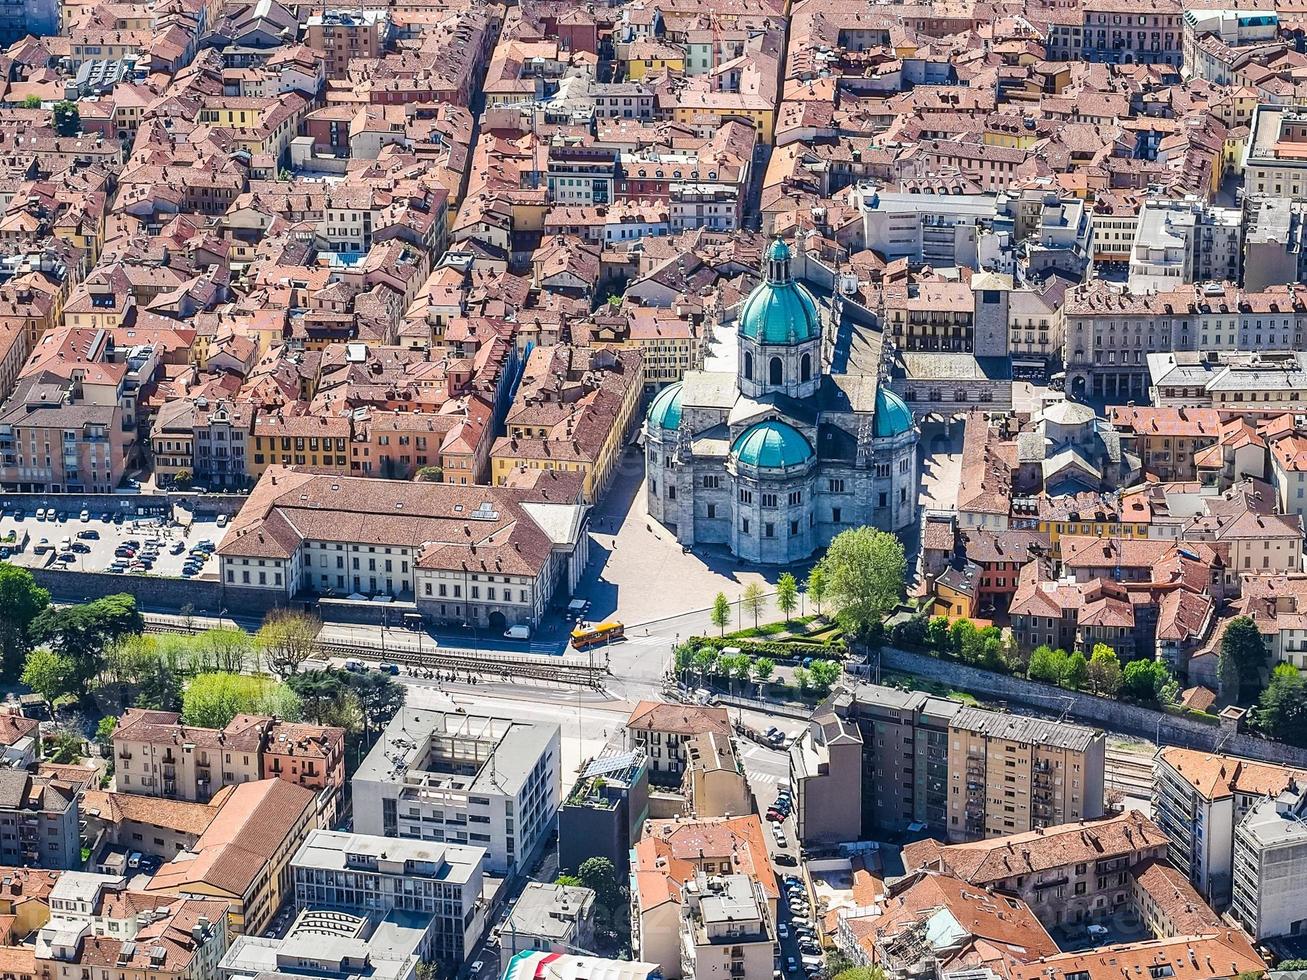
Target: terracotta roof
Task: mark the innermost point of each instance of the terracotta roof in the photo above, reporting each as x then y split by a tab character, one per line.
1219	776
680	719
989	862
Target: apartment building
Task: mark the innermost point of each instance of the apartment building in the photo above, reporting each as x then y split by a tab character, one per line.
38	821
1266	380
716	784
379	875
825	762
243	856
668	859
95	922
1009	774
1198	801
726	930
1179	242
1273	161
1227	950
1068	874
1166	440
663	729
1118	341
342	35
1121	32
1269	885
459	778
157	755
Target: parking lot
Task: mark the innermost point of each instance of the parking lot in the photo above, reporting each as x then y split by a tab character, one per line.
113	542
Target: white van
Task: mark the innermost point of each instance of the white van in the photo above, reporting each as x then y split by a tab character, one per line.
517	633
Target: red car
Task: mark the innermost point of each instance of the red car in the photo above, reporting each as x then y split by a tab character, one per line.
774	814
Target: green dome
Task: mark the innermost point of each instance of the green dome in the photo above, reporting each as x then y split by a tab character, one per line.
893	417
771	445
665	411
778	251
780	313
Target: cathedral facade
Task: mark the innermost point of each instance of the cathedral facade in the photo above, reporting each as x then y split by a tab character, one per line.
775	460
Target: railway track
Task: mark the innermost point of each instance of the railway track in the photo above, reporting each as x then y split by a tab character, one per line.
1129	773
557	669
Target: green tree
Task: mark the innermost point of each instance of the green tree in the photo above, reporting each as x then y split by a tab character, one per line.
104	731
721	612
32	102
817	586
683	658
959	633
83	632
1282	709
212	700
705	661
569	881
320	692
1104	674
763	669
64	746
50	674
825	674
787	595
21	601
1148	682
1047	664
1241	659
865	569
752	600
802	678
287	639
160	689
736	666
599	875
67	120
1075	671
430	474
937	634
380	697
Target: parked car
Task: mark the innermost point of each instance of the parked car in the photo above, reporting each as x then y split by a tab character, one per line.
65	558
222	520
89	534
388	668
81	547
84	516
783	931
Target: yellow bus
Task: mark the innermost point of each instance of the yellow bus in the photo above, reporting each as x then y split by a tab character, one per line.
589	636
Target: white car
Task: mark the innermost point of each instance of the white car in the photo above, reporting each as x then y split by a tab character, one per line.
1096	930
85	516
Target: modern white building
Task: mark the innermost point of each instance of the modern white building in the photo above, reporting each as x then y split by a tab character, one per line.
1179	242
1198	800
368	874
459	778
1270	867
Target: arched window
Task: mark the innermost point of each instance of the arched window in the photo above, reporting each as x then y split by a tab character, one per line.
748	366
805	368
775	370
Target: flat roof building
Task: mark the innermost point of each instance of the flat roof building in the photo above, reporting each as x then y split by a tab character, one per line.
336	870
459	778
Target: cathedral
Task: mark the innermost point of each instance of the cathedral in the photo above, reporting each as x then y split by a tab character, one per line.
778	458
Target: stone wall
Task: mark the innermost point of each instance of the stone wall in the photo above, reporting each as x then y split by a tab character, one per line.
156	593
1115	716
